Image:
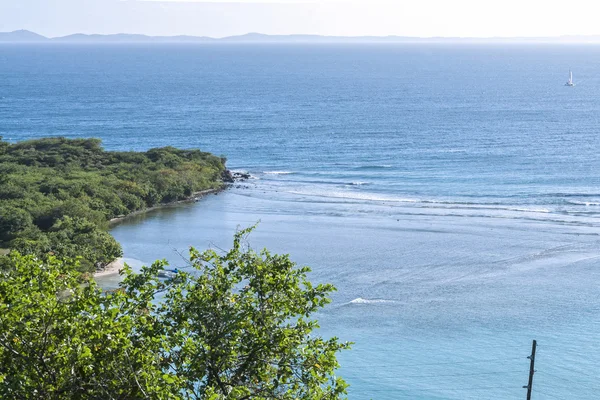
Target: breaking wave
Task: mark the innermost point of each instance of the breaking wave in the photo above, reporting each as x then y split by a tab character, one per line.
584	203
278	172
360	300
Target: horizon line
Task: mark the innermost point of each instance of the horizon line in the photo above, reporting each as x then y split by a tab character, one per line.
36	37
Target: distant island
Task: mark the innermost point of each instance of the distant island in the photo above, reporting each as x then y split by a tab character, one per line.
24	36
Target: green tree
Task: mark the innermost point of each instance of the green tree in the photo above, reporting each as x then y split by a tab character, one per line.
78	237
233	326
63	340
12	222
3	146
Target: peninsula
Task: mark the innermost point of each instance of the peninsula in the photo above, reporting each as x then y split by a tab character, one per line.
58	195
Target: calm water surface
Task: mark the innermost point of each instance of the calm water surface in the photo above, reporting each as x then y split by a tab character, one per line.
452	194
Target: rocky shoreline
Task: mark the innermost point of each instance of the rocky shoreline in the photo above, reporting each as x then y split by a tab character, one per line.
237	176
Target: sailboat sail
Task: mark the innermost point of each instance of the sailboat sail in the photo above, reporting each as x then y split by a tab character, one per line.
570	81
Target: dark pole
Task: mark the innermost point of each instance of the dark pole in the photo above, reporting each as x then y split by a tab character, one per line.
531	370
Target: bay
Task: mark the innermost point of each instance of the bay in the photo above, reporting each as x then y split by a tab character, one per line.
451	193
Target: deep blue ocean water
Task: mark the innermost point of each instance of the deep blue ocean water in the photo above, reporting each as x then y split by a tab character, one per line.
451	193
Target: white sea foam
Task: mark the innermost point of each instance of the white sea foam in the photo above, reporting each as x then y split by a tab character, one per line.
359	183
584	203
353	196
244	172
360	300
277	172
535	210
429	204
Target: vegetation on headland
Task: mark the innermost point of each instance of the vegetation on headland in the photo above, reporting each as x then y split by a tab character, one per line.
236	325
57	195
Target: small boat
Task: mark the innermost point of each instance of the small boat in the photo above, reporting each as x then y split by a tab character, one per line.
570	81
167	274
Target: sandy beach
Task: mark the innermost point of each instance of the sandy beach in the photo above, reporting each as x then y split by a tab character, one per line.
111	269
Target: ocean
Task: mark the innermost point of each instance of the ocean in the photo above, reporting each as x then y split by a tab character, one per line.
450	193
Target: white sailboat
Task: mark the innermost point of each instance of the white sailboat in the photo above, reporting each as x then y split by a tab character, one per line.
570	81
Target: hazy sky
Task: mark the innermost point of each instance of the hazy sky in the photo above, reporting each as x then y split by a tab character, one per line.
217	18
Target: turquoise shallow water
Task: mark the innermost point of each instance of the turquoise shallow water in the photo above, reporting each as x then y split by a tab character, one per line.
438	309
450	193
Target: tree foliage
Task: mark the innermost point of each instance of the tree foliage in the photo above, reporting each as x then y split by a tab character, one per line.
233	326
57	195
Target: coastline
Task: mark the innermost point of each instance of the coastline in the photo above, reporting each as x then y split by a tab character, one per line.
111	268
194	197
115	266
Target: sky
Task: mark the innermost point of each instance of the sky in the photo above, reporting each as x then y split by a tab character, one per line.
218	18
